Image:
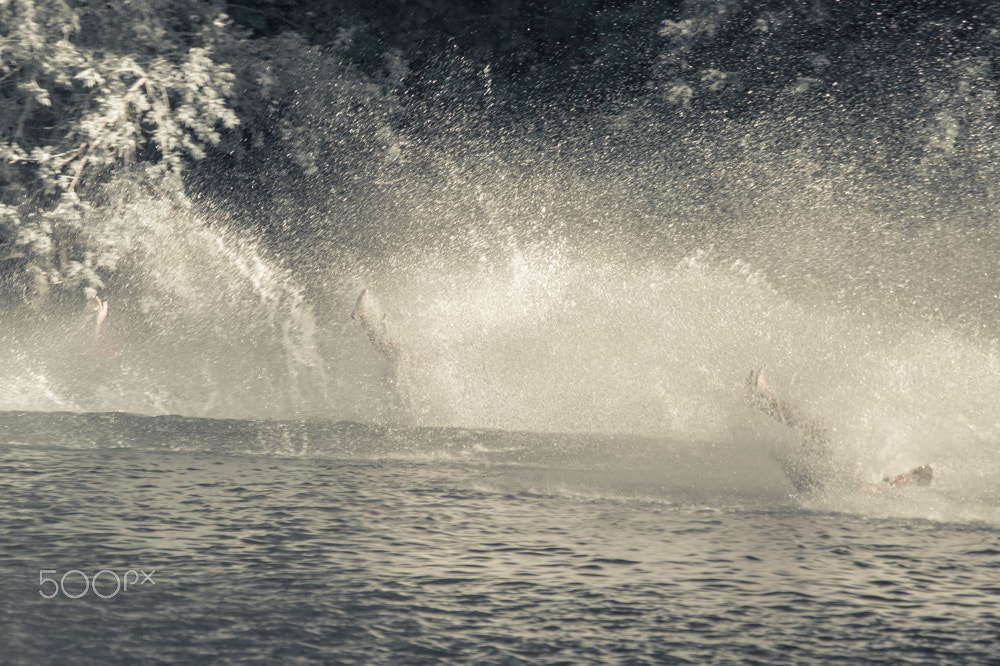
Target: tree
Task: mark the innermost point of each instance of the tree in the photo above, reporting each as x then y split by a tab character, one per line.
87	86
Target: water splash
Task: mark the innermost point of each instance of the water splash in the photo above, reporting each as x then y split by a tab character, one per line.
565	339
618	291
201	323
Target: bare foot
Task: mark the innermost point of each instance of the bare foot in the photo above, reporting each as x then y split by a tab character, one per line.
757	387
101	309
361	306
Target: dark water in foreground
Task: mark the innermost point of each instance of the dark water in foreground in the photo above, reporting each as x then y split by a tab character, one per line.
339	543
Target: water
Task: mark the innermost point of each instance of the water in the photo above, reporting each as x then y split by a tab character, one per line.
563	471
321	542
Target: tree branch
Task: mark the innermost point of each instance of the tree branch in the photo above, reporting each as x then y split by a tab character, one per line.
107	121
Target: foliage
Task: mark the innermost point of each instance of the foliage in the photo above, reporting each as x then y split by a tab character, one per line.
87	86
576	53
308	105
319	101
313	128
740	58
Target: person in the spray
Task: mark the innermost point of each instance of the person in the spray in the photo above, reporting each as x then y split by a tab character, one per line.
98	311
814	469
383	339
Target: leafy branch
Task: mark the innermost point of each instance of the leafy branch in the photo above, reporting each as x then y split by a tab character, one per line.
73	109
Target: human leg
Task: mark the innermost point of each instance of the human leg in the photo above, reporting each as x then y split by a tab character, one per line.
761	397
380	336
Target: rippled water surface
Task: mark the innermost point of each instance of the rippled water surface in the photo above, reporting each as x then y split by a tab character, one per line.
337	543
